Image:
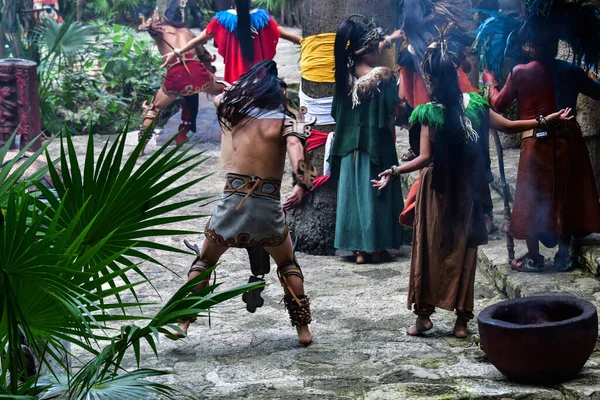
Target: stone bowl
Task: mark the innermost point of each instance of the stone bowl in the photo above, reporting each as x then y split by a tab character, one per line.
541	340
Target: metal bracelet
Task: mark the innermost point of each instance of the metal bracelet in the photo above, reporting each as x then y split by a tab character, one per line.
388	40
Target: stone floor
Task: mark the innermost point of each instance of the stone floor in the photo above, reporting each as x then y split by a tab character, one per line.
361	350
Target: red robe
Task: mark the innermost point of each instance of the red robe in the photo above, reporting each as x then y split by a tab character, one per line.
556	192
228	45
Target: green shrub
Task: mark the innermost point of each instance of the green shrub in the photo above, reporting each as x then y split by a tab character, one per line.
100	83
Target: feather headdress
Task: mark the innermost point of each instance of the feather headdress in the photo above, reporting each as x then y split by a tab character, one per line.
370	40
575	22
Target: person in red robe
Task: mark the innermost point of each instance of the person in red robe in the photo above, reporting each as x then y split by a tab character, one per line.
556	196
243	38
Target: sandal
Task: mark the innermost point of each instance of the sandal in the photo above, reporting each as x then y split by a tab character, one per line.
408	156
563	262
527	264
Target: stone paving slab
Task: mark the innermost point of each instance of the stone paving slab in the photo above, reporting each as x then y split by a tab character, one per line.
361	350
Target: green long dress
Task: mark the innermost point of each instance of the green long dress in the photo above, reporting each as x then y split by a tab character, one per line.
367	219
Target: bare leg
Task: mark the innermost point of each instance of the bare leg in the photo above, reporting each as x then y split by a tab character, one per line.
284	256
160	101
423	322
563	261
210	255
460	326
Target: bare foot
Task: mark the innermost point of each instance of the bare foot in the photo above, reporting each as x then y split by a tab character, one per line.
383	256
460	328
361	257
184	326
423	324
304	335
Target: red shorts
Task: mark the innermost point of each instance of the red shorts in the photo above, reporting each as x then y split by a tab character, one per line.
182	81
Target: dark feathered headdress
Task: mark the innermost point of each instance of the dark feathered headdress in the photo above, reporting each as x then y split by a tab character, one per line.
499	38
575	22
371	38
443	45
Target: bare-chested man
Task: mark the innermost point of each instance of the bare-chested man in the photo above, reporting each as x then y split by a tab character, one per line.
250	213
187	75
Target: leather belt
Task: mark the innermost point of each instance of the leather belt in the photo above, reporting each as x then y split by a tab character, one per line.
528	134
253	186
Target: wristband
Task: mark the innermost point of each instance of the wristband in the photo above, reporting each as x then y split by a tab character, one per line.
388	40
543	124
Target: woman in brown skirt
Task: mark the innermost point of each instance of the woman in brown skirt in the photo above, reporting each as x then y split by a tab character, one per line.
449	220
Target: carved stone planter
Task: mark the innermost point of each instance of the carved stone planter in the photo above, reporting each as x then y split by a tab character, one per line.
543	340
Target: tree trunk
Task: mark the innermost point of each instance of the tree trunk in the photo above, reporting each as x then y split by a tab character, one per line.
162	6
80	8
313	224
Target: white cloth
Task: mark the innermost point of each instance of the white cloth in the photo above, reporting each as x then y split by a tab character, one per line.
328	145
320	108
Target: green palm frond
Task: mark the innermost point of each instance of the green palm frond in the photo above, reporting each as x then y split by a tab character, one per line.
9	175
131	385
65	39
65	264
128	203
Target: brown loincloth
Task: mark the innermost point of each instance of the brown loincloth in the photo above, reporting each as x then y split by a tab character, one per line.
555	196
248	218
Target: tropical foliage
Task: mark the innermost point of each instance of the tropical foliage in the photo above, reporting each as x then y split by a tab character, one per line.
103	77
288	11
71	267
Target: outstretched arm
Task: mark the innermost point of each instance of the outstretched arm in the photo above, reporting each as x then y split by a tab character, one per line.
502	124
292	37
199	40
422	160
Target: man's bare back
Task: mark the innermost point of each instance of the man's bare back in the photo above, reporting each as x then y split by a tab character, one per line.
174	38
259	149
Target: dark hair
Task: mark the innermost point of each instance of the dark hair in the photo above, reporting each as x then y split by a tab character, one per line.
458	171
175	15
244	29
417	29
347	38
259	88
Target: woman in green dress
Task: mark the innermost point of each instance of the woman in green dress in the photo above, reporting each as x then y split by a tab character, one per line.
449	219
365	102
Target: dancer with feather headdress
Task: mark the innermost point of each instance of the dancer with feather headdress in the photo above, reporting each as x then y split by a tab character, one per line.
243	37
556	196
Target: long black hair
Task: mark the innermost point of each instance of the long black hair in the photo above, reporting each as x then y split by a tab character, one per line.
175	15
260	88
244	29
347	40
455	168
